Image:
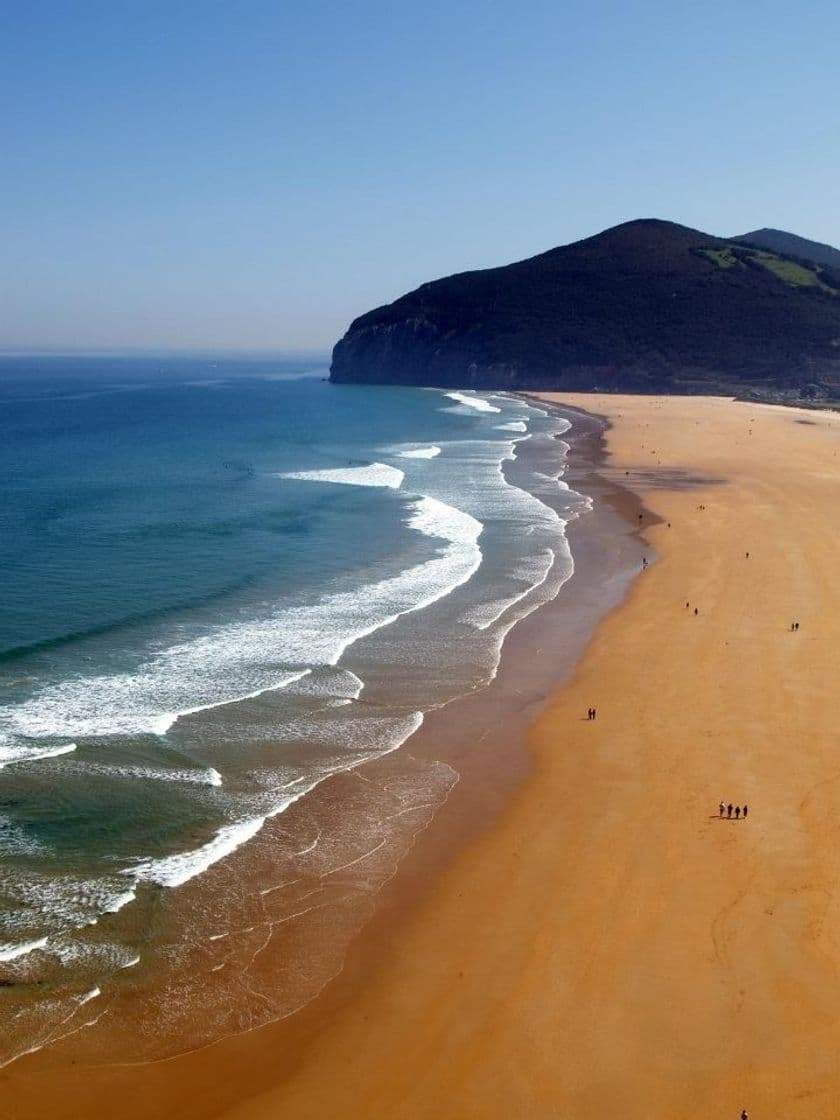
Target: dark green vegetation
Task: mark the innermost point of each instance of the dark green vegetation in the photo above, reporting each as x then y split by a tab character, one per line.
648	306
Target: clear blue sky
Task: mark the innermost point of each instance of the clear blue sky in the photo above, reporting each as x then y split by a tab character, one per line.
253	174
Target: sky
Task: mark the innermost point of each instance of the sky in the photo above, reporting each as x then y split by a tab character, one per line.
252	175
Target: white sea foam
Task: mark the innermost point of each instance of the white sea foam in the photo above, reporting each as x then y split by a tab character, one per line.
94	957
470	400
17	840
150	700
207	776
513	426
163	723
56	904
177	869
376	474
420	453
10	952
334	685
534	570
12	754
172	871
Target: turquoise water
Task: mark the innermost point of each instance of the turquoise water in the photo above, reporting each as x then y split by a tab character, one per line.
225	581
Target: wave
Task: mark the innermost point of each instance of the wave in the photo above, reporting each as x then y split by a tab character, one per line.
534	570
243	660
18	753
10	952
9	755
175	870
469	400
420	453
375	474
206	776
125	622
169	719
148	701
317	729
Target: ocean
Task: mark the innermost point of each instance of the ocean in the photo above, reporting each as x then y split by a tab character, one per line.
229	587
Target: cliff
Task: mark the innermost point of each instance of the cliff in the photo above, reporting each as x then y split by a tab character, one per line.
648	306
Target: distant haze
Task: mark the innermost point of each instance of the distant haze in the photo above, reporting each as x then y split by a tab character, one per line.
253	176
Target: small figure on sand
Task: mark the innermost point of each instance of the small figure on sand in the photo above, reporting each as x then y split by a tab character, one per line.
696	611
796	626
743	1110
644	561
748	556
733	810
687	604
591	713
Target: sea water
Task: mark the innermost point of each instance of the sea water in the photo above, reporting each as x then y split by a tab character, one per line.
224	582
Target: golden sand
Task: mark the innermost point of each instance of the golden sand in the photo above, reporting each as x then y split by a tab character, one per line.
611	948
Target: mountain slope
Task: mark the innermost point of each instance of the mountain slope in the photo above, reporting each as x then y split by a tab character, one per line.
645	306
779	241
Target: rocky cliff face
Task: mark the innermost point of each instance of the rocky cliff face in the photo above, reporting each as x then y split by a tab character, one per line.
647	306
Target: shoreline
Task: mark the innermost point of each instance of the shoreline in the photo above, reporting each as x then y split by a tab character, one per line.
604	944
209	955
611	947
501	711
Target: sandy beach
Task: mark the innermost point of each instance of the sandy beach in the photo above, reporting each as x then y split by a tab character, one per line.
607	946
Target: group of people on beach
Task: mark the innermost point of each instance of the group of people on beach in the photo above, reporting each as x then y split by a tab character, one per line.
794	626
729	809
591	713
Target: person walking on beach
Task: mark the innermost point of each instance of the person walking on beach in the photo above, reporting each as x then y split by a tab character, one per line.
737	812
594	713
728	811
743	1110
589	713
721	807
696	611
746	810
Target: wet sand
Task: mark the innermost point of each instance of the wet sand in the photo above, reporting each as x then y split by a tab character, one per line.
603	944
